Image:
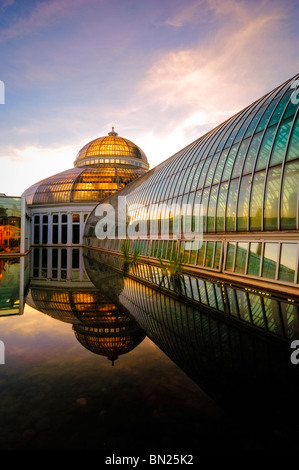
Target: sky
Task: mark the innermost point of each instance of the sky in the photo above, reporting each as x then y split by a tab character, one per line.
162	72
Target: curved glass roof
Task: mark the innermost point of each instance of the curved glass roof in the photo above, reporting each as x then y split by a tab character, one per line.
245	176
245	173
102	167
86	184
104	148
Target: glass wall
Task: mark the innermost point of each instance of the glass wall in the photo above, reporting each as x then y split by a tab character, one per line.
64	228
10	224
82	185
245	176
57	264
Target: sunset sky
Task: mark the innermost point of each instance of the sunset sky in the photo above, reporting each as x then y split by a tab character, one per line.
162	72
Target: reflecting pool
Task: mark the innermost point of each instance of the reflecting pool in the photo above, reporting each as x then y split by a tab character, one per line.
100	359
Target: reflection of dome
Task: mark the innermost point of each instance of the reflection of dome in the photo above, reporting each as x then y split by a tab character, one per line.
110	338
98	324
115	149
72	306
102	167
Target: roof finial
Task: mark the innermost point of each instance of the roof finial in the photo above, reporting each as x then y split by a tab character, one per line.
112	132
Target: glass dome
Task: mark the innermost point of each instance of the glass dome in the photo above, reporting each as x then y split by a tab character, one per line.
102	167
81	185
111	149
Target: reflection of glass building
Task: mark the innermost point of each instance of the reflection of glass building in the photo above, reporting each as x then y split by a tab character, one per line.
245	175
14	246
69	296
234	342
14	282
14	225
60	204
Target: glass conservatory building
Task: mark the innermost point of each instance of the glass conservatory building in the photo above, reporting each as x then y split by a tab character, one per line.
244	174
60	204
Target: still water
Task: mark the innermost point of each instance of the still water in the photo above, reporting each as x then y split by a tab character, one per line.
98	361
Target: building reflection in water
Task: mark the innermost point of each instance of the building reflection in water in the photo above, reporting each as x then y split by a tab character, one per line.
98	324
233	342
14	283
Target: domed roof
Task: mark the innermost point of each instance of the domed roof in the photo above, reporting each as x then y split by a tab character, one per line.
102	167
81	185
98	324
111	148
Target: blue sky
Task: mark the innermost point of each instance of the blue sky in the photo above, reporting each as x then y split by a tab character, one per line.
162	72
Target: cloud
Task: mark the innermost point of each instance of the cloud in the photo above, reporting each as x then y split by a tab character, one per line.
200	87
185	14
44	13
26	166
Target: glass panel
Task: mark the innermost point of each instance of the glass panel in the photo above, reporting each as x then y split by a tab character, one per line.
193	251
203	173
254	259
202	290
243	203
45	234
240	159
280	144
55	234
266	116
265	149
217	255
201	253
256	201
10	224
35	234
271	199
218	292
64	233
209	254
289	196
257	313
241	257
281	107
293	149
220	165
231	206
289	316
252	153
75	259
212	209
229	163
63	258
243	305
272	315
255	120
211	170
232	301
221	207
76	233
270	260
55	258
204	203
230	256
288	262
211	295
